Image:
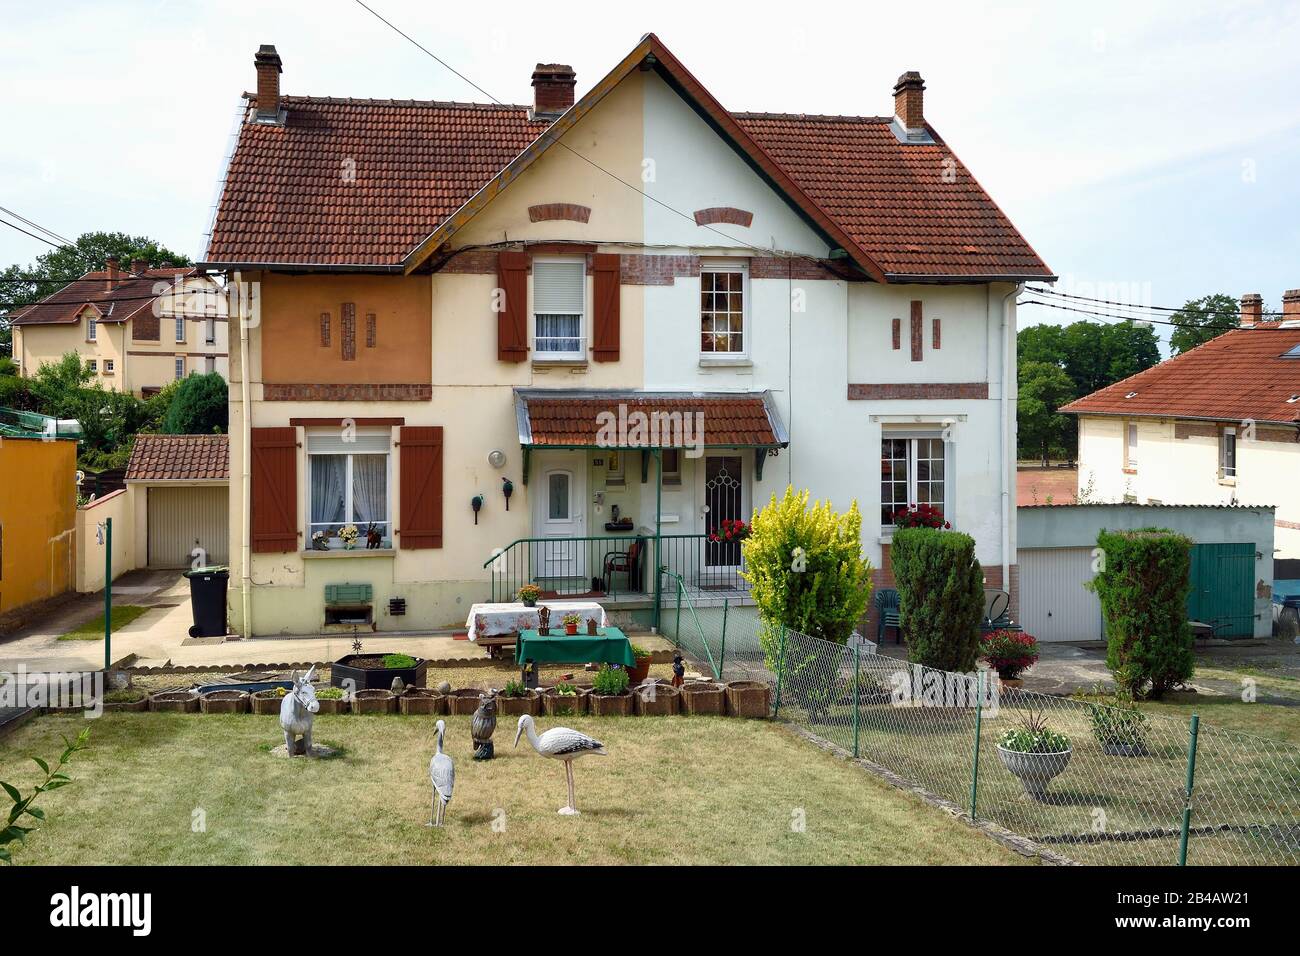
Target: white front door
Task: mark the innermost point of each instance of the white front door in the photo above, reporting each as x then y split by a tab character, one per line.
559	512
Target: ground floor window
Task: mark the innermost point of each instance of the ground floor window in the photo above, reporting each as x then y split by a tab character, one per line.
913	471
348	484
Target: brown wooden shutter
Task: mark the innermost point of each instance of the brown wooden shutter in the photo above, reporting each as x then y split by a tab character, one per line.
607	294
421	487
512	320
274	490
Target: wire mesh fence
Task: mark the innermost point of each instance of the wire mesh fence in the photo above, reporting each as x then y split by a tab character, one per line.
1123	788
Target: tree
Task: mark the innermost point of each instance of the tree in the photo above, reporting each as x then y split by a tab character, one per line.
940	596
199	406
1200	320
21	285
1043	432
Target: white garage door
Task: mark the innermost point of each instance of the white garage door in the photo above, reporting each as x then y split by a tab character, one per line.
1054	605
182	519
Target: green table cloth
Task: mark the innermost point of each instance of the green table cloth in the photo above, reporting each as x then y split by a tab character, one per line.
556	647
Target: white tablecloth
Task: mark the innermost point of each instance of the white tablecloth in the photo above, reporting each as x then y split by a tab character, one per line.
486	620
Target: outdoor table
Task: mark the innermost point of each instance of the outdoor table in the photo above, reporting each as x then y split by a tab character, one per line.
496	625
556	647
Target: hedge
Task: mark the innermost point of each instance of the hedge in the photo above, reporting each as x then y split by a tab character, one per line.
940	596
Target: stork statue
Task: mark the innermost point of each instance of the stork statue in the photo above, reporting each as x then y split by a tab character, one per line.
442	774
561	743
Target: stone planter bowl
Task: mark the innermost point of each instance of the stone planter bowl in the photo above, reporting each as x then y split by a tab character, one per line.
374	702
331	705
265	702
570	705
703	697
530	703
175	701
421	700
610	705
1035	771
224	702
652	699
464	701
748	698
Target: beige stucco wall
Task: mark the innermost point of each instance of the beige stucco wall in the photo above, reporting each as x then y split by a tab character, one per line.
120	506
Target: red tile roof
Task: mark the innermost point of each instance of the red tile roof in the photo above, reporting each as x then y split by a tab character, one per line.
131	294
574	420
288	196
1232	377
179	458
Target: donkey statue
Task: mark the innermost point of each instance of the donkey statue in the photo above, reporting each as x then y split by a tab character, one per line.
297	711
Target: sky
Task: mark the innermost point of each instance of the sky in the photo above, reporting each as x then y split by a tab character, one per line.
1149	151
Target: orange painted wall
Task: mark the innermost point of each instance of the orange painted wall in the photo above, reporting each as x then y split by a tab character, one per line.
38	511
291	340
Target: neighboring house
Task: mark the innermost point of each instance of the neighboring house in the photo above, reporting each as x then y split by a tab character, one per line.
38	507
438	297
1219	424
136	329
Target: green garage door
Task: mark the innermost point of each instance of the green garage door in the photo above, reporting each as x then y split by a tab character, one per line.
1223	588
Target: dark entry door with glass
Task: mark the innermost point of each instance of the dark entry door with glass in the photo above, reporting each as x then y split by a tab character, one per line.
722	496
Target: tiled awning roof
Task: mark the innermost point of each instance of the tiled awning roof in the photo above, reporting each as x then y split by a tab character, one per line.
629	419
179	458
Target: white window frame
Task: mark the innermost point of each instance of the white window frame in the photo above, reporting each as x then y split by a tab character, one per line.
1130	446
180	329
109	368
673	473
210	331
911	438
387	524
93	365
178	367
714	266
550	355
1226	471
92	329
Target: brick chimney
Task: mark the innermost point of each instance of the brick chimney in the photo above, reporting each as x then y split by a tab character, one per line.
267	62
111	267
553	85
1291	304
138	266
909	100
1252	309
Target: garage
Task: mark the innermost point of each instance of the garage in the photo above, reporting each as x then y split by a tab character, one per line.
188	518
180	486
1054	604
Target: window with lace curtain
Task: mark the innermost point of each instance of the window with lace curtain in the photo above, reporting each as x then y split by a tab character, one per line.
348	482
559	305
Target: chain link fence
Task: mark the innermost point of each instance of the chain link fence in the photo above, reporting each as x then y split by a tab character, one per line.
1127	788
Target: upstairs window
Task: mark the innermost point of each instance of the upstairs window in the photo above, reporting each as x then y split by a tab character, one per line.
180	329
1228	453
210	332
1131	446
724	289
92	328
559	304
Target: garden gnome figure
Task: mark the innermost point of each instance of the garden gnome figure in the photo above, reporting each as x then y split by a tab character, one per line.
679	670
482	724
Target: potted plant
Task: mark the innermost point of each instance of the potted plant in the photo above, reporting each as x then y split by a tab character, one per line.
126	698
182	701
267	701
320	540
571	622
609	695
224	702
376	671
921	516
516	699
1117	724
331	700
529	594
731	529
1010	653
641	669
1034	753
564	700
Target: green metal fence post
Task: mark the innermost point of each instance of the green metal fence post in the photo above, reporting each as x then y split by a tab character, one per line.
677	634
1191	781
108	593
857	698
722	652
780	673
975	759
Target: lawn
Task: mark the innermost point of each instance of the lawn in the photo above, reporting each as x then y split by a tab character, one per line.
93	630
672	791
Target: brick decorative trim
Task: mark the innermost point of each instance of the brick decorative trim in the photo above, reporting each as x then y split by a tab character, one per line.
348	331
325	330
656	270
729	215
371	331
934	333
898	335
338	422
471	262
643	269
916	330
347	393
546	212
918	391
775	267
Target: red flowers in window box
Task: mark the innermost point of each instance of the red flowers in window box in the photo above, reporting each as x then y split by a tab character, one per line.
921	516
731	529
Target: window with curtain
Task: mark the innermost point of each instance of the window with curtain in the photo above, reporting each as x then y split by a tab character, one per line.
348	483
559	287
913	471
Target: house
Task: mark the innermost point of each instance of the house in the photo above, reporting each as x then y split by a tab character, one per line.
564	341
137	329
38	506
1219	424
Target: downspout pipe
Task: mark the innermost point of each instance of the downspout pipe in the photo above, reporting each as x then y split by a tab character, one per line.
245	466
1008	453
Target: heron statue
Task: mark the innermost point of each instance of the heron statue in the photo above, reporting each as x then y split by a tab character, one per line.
561	743
442	774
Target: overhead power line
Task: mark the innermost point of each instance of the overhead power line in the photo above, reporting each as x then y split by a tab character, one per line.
1036	290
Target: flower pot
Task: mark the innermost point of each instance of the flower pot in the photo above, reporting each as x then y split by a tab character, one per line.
610	705
748	698
1035	771
656	700
638	672
374	702
265	702
332	705
518	706
703	697
530	602
571	629
128	705
422	701
375	678
463	702
563	705
175	701
224	702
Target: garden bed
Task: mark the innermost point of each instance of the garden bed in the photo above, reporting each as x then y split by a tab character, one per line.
369	672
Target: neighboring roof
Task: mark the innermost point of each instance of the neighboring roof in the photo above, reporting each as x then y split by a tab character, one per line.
424	169
179	458
1235	376
581	419
131	294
